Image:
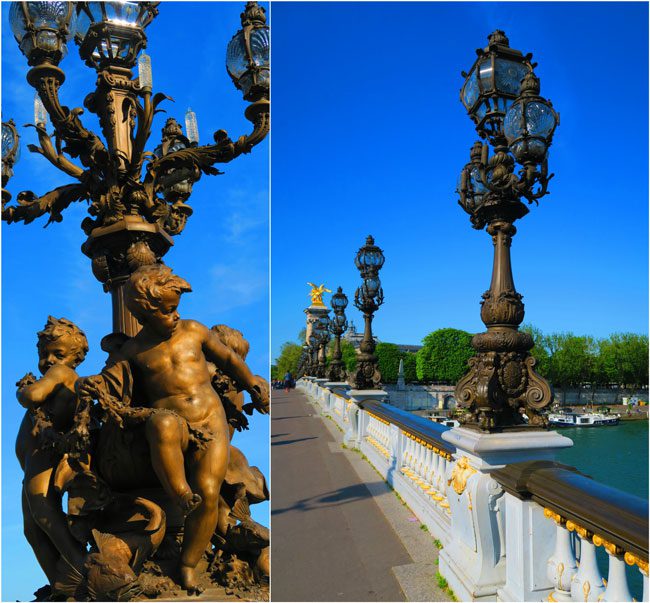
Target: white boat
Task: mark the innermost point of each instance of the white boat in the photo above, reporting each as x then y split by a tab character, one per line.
582	419
446	421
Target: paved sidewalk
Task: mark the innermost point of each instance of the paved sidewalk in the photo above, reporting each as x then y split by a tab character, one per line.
331	538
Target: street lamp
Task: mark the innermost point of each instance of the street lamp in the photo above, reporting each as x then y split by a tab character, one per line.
323	338
314	345
501	94
367	298
135	210
10	155
338	325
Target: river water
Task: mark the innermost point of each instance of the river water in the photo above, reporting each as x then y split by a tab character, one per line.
616	456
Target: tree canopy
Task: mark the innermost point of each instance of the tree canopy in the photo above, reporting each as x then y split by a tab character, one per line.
565	359
444	355
288	359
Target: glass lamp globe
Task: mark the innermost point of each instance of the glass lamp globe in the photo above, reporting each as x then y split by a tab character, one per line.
339	300
530	123
371	287
10	150
370	258
117	31
247	54
471	185
42	29
9	140
340	320
493	83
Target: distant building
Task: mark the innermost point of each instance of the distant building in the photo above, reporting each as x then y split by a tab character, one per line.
355	338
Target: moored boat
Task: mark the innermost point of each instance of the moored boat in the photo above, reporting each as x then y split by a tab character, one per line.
446	421
582	419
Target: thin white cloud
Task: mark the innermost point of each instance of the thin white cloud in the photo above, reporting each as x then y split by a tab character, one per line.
237	284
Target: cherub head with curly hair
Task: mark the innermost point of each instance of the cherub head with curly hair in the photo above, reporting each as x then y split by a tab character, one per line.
152	294
61	342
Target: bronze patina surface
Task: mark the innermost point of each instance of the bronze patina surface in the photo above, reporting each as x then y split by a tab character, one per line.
367	298
158	499
502	385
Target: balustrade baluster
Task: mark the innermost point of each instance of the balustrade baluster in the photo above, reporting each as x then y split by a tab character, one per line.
587	584
562	566
419	467
616	587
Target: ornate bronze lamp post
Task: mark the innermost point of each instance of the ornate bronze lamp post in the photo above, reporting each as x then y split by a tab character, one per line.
501	95
303	363
338	325
323	338
367	298
10	155
314	344
136	209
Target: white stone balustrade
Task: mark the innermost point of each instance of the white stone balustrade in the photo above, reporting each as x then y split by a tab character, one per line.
498	545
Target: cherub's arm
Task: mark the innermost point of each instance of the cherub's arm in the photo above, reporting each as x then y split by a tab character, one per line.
235	368
114	385
34	394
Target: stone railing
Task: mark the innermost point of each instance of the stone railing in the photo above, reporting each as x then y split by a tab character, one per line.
580	516
515	524
410	454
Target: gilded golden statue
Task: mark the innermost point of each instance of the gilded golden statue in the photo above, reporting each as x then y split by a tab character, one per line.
316	294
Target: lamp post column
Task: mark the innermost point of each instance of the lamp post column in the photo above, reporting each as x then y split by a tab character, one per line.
367	298
338	326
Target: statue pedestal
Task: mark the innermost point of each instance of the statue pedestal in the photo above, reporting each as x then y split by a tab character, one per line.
474	562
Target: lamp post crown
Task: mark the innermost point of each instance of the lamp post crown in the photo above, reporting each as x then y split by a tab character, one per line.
530	85
498	36
253	14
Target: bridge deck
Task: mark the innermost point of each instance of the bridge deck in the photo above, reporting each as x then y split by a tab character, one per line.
333	531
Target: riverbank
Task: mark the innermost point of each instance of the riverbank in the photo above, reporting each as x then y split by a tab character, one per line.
628	413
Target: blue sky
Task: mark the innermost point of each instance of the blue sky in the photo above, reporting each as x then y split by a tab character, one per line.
370	136
223	251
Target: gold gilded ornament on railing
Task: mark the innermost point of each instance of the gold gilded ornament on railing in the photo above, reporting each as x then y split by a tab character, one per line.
582	532
461	473
631	559
556	517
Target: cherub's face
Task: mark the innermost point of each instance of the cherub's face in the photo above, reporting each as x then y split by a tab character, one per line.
55	352
163	319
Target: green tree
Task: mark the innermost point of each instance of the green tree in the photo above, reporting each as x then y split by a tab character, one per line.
388	357
349	355
574	360
410	369
540	351
288	359
444	355
623	359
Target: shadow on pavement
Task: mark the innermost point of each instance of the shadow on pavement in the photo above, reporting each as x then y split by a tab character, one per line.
331	499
